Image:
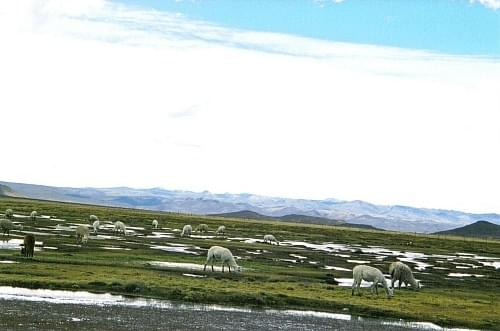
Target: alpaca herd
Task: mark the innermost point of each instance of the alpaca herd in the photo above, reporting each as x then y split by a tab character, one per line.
398	271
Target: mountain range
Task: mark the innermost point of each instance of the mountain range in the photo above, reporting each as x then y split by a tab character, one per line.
396	217
294	218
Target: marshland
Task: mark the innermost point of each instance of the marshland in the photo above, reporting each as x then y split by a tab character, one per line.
310	269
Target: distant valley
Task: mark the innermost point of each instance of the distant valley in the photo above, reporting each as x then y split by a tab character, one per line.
399	218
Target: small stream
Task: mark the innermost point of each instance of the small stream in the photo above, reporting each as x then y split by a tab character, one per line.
26	309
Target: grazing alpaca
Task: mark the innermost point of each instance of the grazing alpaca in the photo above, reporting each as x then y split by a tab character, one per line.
269	238
33	215
120	227
154	224
220	230
96	225
202	228
402	273
217	253
7	225
93	218
369	274
186	231
9	213
82	234
29	246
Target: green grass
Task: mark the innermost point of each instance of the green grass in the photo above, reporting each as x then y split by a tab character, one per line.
266	282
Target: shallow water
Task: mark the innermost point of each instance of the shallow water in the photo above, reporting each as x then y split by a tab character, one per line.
358	261
176	248
298	256
15	244
186	266
195	276
199	236
417	261
115	248
328	267
26	309
158	235
457	274
253	252
36	233
347	282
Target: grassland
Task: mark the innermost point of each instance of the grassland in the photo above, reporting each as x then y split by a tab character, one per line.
271	278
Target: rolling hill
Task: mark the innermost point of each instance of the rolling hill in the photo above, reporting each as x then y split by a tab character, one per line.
479	229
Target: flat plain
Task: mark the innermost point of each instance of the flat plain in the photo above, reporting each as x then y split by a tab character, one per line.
311	269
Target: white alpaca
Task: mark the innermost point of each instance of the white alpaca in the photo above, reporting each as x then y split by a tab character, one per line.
218	253
402	273
120	227
269	238
93	218
33	215
369	274
82	234
7	225
186	231
202	228
220	230
96	225
154	224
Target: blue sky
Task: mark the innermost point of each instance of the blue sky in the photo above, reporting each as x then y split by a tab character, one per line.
229	96
449	26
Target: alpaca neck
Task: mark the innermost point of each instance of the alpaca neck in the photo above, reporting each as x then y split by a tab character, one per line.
232	262
414	283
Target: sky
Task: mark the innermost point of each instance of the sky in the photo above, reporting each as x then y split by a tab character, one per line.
391	102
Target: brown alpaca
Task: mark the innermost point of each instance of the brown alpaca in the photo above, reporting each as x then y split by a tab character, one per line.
29	246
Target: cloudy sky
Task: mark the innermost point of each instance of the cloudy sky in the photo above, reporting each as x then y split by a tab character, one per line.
389	102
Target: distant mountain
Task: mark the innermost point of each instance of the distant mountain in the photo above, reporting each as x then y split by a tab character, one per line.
294	218
248	214
7	191
479	229
399	218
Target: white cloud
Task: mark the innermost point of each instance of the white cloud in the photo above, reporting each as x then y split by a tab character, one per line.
187	112
323	2
96	94
493	4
